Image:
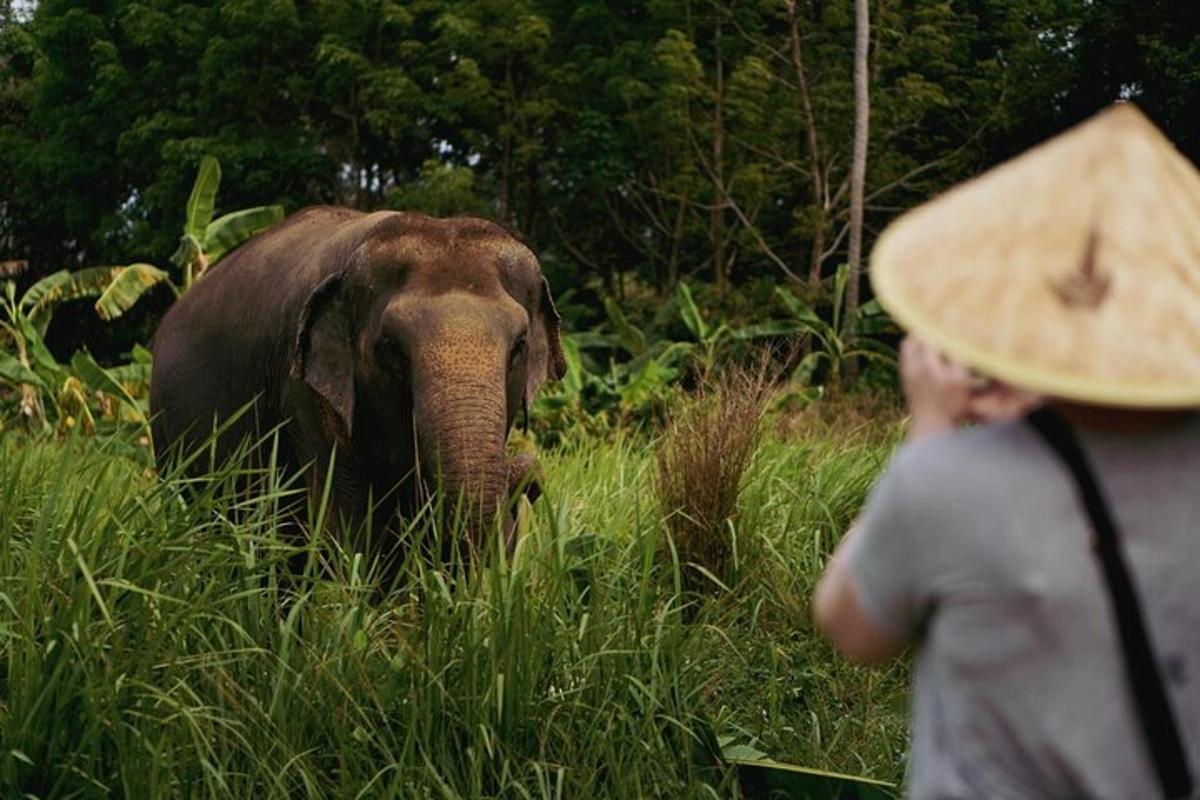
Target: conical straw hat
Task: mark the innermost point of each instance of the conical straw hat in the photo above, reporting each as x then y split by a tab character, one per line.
1072	270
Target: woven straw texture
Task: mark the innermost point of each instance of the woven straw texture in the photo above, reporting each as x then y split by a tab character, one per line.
1072	270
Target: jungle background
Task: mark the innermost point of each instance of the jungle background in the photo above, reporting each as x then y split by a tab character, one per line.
684	169
635	144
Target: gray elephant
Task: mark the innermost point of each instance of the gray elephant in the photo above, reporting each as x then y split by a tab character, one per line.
405	344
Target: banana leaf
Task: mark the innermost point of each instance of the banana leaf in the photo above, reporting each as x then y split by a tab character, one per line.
98	378
771	780
203	198
691	314
873	348
804	315
135	377
840	279
227	232
770	329
871	320
14	372
187	251
35	346
649	381
591	339
39	301
804	371
141	355
572	380
127	288
629	335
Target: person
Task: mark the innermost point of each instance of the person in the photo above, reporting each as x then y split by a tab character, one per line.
991	546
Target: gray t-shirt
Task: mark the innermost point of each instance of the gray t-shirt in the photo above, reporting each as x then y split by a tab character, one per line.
973	544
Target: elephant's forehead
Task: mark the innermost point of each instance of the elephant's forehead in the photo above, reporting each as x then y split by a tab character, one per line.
416	250
480	264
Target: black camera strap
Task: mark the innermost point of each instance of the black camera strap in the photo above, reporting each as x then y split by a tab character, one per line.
1145	680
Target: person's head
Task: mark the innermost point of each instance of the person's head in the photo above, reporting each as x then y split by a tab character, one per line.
1071	272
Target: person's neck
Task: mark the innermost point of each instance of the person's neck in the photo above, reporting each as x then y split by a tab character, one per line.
1121	420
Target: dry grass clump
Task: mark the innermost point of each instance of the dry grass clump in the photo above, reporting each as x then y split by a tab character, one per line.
703	458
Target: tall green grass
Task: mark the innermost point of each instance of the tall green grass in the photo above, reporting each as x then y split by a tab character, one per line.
155	643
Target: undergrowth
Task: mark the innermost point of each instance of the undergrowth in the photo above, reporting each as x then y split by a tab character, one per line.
155	643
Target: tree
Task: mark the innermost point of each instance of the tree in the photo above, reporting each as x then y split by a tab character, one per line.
858	172
633	143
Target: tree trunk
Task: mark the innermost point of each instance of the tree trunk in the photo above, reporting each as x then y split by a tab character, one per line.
821	222
858	174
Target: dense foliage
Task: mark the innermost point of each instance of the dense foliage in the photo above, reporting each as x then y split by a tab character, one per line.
706	139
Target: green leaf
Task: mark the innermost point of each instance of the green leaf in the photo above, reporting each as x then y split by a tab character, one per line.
37	350
808	366
187	251
874	350
14	372
876	346
135	377
204	197
667	354
227	232
769	329
809	321
572	381
840	279
690	313
742	751
98	378
46	290
141	355
632	340
127	288
650	380
872	320
590	339
39	302
871	308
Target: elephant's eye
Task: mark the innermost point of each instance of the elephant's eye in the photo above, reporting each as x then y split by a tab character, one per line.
389	351
518	352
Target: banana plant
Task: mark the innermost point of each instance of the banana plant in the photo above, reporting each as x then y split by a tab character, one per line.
836	342
116	289
46	389
205	240
709	338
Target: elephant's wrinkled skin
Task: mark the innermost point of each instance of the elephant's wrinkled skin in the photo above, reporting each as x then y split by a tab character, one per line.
409	342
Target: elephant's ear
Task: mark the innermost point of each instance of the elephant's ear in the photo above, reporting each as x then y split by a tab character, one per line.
546	360
324	357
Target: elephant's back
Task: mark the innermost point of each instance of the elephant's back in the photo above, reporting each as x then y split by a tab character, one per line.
227	341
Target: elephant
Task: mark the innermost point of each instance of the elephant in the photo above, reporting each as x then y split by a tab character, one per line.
391	350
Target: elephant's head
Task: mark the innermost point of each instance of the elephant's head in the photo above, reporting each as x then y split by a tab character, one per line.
424	348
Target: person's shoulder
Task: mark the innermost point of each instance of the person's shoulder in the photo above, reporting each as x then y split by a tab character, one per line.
970	459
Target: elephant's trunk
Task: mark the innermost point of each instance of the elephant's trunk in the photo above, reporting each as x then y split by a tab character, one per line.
461	423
